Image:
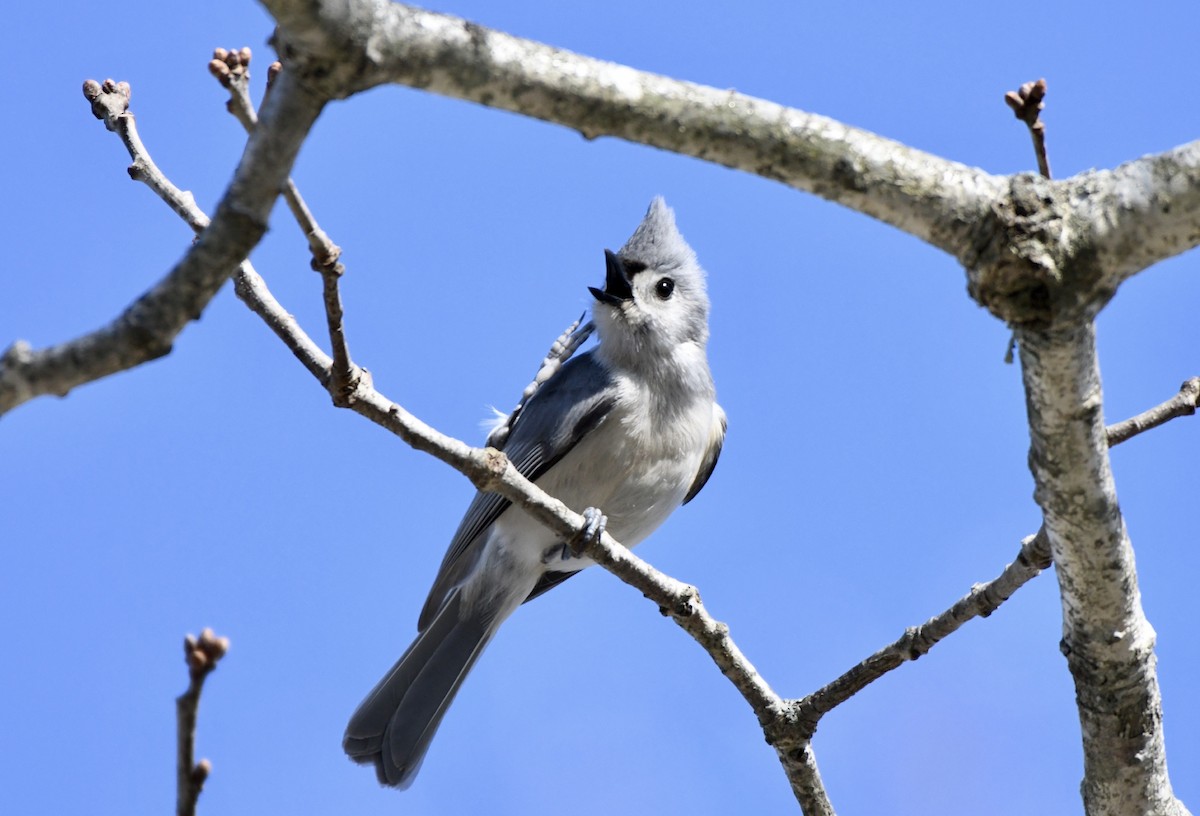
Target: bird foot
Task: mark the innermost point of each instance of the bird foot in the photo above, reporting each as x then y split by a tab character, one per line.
592	528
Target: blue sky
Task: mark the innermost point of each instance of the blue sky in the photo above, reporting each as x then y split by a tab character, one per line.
875	465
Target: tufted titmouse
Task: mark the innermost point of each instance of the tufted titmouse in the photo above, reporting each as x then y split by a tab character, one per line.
631	427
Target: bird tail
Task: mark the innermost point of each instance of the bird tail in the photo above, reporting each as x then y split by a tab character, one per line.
393	726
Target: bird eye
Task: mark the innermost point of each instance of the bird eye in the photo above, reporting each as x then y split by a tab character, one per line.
664	288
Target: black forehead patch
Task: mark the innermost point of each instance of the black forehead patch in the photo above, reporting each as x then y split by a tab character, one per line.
633	267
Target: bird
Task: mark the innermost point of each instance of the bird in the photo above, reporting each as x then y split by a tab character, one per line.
627	431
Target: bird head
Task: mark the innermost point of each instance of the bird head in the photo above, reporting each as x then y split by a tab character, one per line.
654	297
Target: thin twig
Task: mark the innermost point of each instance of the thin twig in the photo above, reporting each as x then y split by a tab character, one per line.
981	601
202	655
252	290
111	103
146	329
344	375
183	203
232	69
1027	104
1182	404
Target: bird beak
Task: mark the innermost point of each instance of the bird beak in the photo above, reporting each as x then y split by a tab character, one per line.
616	282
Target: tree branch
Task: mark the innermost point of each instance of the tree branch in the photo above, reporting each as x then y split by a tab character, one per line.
202	655
1143	212
1119	222
801	768
148	327
184	205
1107	640
232	70
1122	220
1182	404
788	730
934	199
981	601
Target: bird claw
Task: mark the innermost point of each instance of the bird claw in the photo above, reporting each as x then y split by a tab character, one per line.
590	531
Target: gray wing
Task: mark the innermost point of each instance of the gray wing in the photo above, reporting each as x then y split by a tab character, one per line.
568	406
716	438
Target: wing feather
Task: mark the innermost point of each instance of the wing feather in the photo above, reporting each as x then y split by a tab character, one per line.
716	438
567	407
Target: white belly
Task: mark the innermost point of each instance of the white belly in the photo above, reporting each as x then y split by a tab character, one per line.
635	471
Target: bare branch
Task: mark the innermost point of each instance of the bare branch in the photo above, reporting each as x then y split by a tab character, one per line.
937	200
981	601
1182	404
1107	640
344	375
121	122
1144	211
232	70
184	205
147	328
1117	222
202	655
682	603
1027	104
252	290
247	280
801	768
788	726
